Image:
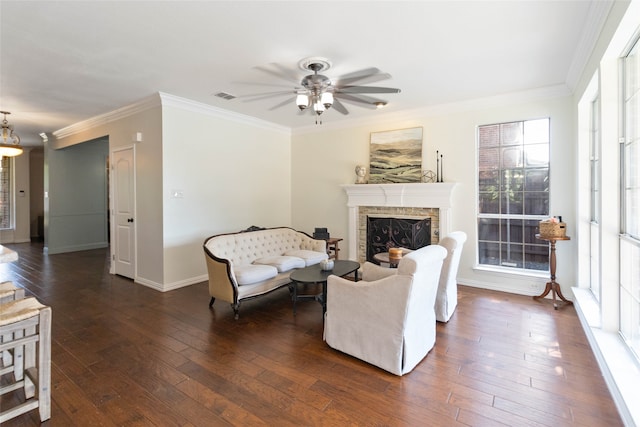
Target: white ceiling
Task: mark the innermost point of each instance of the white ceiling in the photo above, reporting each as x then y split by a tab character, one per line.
62	62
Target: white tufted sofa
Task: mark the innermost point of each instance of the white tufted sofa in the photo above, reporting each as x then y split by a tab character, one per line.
251	263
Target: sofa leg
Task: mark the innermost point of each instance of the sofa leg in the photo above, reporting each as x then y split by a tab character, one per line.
236	310
213	299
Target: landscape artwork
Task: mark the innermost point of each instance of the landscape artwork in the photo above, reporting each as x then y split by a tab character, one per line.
396	156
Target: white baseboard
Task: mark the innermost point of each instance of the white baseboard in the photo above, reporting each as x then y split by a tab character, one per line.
75	248
170	286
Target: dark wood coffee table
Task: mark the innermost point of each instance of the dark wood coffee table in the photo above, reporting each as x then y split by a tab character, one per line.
314	274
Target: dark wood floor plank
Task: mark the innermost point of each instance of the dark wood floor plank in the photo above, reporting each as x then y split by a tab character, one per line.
534	414
127	355
230	411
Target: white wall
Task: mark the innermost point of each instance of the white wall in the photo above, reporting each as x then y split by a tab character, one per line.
229	174
322	160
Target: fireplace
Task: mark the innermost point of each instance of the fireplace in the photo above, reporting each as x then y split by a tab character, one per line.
414	200
390	232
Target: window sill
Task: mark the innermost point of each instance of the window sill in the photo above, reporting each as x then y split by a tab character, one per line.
618	366
511	272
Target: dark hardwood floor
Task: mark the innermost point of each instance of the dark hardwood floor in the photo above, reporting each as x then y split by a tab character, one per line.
126	355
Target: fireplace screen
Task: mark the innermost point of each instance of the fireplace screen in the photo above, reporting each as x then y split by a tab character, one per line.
385	233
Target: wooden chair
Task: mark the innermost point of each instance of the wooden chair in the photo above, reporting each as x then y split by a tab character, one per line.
10	292
25	328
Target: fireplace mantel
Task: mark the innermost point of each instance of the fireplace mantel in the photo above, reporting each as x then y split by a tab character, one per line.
415	195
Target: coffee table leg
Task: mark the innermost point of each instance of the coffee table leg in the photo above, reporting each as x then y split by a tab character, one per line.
324	297
295	296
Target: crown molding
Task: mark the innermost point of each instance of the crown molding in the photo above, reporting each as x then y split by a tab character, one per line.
161	99
596	18
103	119
209	110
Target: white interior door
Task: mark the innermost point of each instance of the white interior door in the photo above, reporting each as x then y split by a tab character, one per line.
124	254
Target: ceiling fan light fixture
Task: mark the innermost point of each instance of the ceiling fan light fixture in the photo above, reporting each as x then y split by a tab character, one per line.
380	104
318	107
302	101
327	100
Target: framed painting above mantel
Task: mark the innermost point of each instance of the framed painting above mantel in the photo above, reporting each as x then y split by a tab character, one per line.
396	156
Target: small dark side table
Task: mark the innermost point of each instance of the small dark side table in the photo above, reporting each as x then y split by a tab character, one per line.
552	285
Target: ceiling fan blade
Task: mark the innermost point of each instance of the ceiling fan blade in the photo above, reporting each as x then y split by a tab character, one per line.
282	73
373	78
362	100
280	85
349	78
339	106
288	72
366	89
290	101
259	96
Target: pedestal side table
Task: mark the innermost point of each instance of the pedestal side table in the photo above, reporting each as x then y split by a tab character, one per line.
332	247
553	286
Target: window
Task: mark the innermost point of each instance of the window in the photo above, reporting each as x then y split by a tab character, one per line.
513	194
594	158
5	192
630	197
596	182
631	148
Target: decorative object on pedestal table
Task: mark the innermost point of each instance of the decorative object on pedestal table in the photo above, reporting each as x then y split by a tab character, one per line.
321	233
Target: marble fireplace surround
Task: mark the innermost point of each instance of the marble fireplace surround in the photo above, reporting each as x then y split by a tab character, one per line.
375	197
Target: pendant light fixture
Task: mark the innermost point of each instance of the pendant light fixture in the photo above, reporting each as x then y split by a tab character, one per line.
10	143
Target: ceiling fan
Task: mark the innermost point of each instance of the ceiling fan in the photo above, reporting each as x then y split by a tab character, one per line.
317	92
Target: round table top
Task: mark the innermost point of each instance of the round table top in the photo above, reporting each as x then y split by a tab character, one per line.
314	274
384	257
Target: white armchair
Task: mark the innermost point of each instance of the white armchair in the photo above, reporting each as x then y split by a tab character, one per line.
447	298
387	321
